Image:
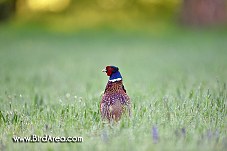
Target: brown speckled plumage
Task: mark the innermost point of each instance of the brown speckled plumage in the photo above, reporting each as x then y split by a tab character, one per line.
115	101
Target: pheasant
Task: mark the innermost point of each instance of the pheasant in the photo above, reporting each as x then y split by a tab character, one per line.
115	100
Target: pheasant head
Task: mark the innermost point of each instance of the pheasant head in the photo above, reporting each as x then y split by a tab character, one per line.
113	73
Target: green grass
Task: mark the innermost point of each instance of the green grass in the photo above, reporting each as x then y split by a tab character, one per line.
52	83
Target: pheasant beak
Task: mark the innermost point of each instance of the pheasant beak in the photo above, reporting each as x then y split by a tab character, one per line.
104	70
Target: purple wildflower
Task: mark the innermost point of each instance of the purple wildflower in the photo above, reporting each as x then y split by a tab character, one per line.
155	134
183	131
104	136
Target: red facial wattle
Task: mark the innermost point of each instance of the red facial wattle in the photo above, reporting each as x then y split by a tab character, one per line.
109	70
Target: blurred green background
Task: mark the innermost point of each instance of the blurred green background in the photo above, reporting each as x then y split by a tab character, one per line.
123	15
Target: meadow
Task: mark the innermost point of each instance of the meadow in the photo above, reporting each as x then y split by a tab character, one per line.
51	83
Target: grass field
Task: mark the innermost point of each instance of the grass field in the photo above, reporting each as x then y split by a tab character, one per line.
52	83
